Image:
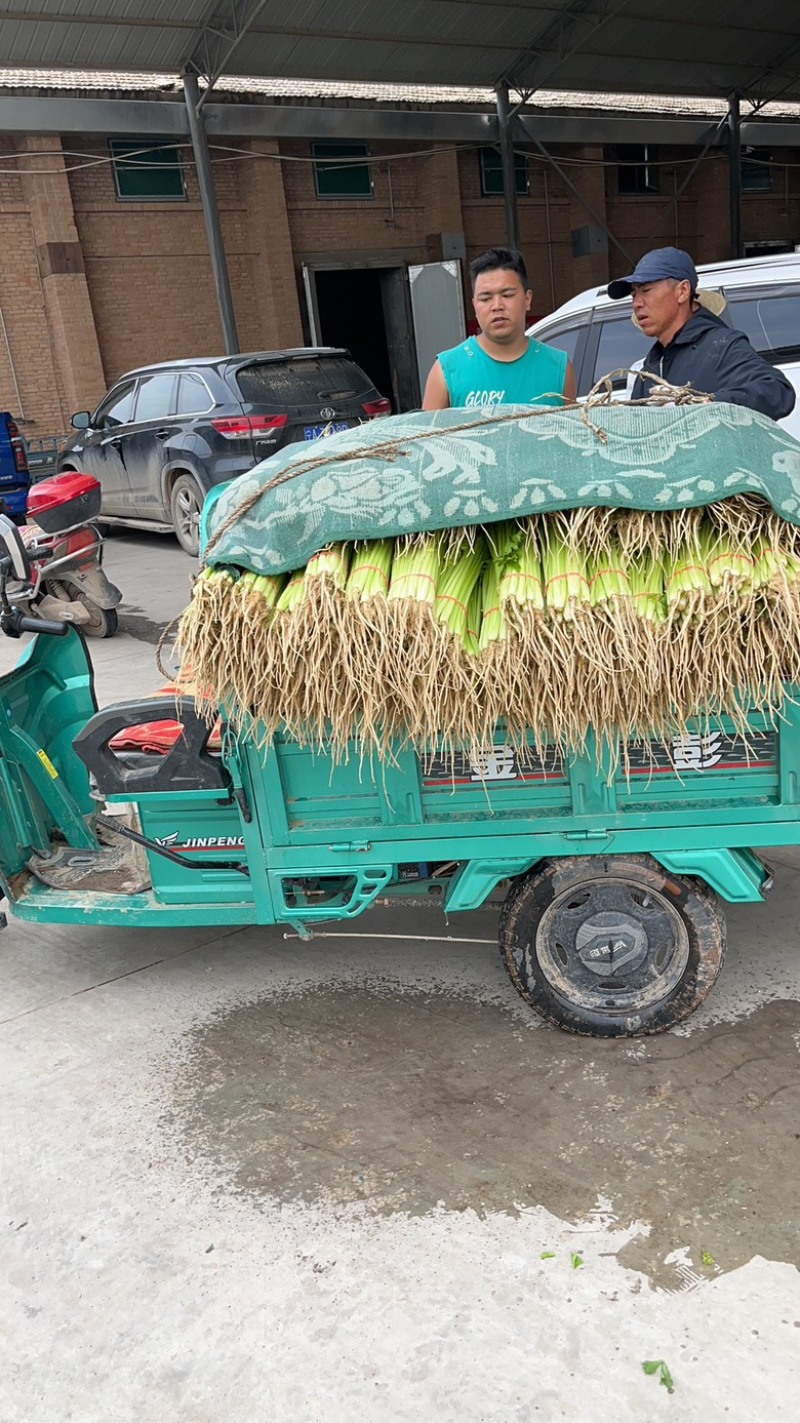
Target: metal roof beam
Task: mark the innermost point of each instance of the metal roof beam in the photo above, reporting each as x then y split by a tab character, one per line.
565	35
46	16
165	118
219	40
786	61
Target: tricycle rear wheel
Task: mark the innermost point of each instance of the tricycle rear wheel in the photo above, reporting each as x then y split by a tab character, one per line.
611	946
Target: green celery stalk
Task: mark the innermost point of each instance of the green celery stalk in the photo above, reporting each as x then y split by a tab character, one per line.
459	576
415	571
370	569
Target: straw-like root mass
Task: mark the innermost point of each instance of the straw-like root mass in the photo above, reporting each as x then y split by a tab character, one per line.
631	624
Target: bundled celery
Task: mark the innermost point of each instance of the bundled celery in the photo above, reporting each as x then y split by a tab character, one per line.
259	593
688	572
369	570
728	564
646	583
521	582
415	570
767	565
493	627
564	569
458	579
330	563
626	622
609	581
293	592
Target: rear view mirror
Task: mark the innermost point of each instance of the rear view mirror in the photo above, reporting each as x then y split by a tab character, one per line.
12	550
81	421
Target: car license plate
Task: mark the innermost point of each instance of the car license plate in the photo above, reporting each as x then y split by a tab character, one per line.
314	432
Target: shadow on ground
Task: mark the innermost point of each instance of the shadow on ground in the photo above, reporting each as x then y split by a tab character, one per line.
412	1101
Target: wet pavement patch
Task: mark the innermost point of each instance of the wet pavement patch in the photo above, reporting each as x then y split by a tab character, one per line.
136	624
414	1101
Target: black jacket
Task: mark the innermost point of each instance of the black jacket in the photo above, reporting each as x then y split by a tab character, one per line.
721	362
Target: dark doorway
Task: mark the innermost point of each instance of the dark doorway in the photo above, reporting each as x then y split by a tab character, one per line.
350	307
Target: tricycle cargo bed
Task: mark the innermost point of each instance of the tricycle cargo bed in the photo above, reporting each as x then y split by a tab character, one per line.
714	772
489	818
238	828
610	922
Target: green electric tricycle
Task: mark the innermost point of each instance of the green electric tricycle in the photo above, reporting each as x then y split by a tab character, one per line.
610	924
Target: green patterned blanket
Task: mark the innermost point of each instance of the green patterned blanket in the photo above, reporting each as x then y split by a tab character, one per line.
446	468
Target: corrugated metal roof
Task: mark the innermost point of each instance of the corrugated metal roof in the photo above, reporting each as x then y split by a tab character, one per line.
146	85
622	46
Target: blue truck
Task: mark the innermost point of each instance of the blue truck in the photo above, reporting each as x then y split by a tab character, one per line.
15	479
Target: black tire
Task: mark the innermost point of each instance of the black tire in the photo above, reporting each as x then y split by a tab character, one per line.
185	503
556	930
103	622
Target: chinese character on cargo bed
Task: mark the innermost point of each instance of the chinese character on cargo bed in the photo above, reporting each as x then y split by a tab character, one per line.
697	753
497	765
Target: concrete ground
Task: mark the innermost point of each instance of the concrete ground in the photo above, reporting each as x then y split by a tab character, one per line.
249	1178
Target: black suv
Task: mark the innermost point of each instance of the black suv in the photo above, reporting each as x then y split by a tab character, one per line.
165	434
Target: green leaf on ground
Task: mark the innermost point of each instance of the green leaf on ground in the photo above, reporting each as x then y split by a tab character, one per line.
575	1260
548	1255
707	1258
657	1366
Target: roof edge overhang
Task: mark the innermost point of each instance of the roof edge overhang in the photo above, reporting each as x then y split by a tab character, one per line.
168	118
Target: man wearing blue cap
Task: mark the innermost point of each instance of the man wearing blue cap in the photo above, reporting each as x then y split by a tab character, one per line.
692	346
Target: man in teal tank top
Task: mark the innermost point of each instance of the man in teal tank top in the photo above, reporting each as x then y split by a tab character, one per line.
500	366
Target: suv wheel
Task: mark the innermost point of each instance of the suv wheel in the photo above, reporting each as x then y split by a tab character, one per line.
185	502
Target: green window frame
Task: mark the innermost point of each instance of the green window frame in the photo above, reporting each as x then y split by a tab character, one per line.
336	175
756	175
492	174
147	172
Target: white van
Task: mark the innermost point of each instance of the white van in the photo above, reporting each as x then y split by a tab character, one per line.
763	296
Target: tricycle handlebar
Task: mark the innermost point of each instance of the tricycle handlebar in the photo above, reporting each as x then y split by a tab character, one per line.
14	623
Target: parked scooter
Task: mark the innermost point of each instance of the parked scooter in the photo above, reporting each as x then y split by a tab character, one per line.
15	570
67	581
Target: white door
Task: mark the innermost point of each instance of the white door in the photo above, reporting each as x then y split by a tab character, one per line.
311	305
437	309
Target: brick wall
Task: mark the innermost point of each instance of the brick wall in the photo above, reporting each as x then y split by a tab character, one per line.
58	313
147	263
92	285
699	220
544	224
399	218
27	375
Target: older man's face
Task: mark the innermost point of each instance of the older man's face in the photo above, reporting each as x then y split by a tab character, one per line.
661	308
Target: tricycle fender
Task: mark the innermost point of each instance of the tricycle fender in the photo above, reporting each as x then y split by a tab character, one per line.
738	876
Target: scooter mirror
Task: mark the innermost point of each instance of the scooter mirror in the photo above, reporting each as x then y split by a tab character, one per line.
13	550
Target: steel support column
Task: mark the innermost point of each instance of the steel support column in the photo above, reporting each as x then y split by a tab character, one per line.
735	174
208	197
509	170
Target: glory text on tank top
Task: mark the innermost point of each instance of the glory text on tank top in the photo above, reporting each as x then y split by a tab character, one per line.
475	379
